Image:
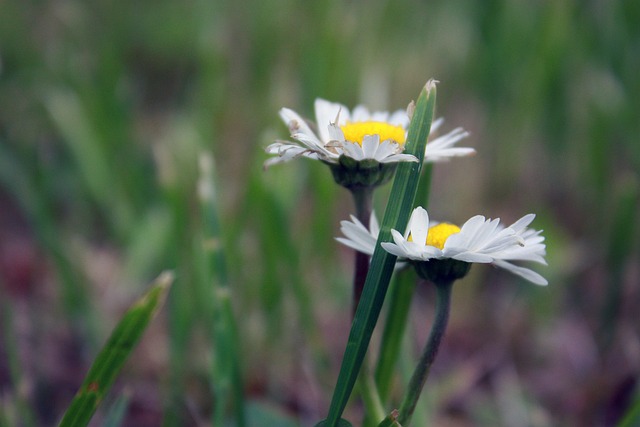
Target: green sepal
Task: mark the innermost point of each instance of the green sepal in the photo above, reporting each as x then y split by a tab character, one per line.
445	270
351	173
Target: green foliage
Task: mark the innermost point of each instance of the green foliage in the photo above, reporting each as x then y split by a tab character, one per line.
114	354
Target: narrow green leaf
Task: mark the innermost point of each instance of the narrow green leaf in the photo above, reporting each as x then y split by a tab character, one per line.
115	352
396	216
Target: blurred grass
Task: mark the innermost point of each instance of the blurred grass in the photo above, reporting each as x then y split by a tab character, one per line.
106	106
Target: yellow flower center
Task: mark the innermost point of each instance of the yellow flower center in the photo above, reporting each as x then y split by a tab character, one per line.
356	132
438	234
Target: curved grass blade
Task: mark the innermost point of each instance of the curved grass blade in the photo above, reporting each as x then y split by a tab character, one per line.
396	216
115	352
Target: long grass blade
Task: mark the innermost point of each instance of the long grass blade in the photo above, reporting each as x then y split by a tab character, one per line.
399	303
115	352
396	216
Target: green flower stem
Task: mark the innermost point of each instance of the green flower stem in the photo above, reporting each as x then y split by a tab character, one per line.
370	396
419	377
363	200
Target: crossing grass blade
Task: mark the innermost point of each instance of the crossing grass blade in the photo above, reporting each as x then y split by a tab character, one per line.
396	216
115	352
400	298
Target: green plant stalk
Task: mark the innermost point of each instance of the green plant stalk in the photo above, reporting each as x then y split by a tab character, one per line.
420	374
109	361
363	200
226	377
396	216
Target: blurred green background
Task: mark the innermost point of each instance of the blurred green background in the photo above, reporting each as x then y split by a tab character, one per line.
106	107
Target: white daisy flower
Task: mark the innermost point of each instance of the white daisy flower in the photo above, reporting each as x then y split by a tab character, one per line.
479	240
358	134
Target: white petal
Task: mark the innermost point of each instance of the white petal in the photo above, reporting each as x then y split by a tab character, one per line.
419	225
380	116
399	118
295	123
335	133
393	249
357	236
523	222
441	148
360	114
374	226
436	124
394	158
370	144
309	140
290	155
467	233
353	150
397	237
471	257
525	273
385	149
326	113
